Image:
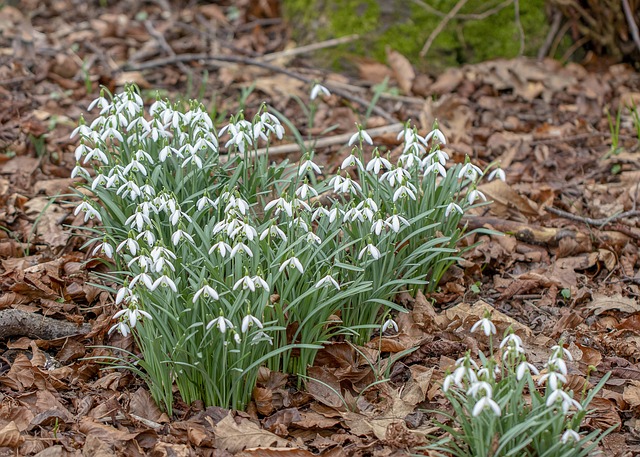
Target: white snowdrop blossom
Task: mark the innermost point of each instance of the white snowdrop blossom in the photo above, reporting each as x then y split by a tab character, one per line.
389	323
132	315
291	262
318	89
164	281
552	379
497	173
206	291
308	166
565	398
221	322
360	135
437	135
377	163
474	194
327	281
89	211
453	207
104	248
480	387
484	403
395	222
248	321
372	250
178	235
570	435
525	367
404	191
470	172
488	328
350	161
122	327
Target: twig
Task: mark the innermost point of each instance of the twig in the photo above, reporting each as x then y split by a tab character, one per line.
308	48
553	31
441	27
632	23
162	42
516	7
466	17
574	47
328	141
591	221
218	59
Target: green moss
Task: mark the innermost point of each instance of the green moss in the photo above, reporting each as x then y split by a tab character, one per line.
405	26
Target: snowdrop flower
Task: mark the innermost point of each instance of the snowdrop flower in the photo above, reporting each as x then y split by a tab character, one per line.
240	247
349	186
350	161
469	171
558	351
434	166
122	328
144	278
281	205
453	207
473	195
101	102
132	315
273	230
164	281
479	386
89	211
567	401
203	202
318	89
104	248
308	166
360	135
487	326
248	321
389	323
395	222
498	173
251	283
437	135
523	368
484	403
313	238
80	171
377	163
511	339
552	379
403	191
83	129
306	189
556	364
372	250
570	435
148	236
377	226
260	337
291	262
138	220
259	282
124	294
131	244
221	322
327	281
336	182
206	291
397	175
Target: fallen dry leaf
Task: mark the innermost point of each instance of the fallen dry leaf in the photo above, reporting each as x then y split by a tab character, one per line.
235	437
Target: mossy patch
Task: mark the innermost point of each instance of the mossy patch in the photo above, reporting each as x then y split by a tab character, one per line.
405	26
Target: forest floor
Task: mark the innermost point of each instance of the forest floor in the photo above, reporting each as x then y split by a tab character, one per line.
566	268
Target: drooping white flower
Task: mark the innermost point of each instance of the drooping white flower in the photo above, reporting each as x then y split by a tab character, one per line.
122	328
89	211
570	435
497	173
437	135
389	323
132	315
525	367
248	321
469	171
221	322
484	403
240	247
474	194
131	244
308	166
104	248
552	379
453	207
327	281
377	163
488	328
395	222
404	191
304	190
372	250
292	262
318	89
565	398
350	161
164	281
360	135
480	387
273	230
206	291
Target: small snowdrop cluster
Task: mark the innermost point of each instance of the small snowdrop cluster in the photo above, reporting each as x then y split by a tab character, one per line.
225	258
494	392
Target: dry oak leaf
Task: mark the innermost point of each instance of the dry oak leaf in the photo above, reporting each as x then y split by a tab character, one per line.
10	436
235	437
402	70
631	393
601	303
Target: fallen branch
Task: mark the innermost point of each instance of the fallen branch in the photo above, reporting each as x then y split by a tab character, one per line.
308	48
440	27
633	27
14	322
218	60
591	221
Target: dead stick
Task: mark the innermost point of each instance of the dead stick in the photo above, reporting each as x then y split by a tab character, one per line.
632	23
591	221
14	322
308	48
162	42
216	59
441	27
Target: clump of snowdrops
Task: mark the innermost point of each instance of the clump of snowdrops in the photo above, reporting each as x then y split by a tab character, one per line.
226	261
505	406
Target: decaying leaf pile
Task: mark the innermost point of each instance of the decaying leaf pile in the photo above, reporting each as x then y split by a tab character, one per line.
566	268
